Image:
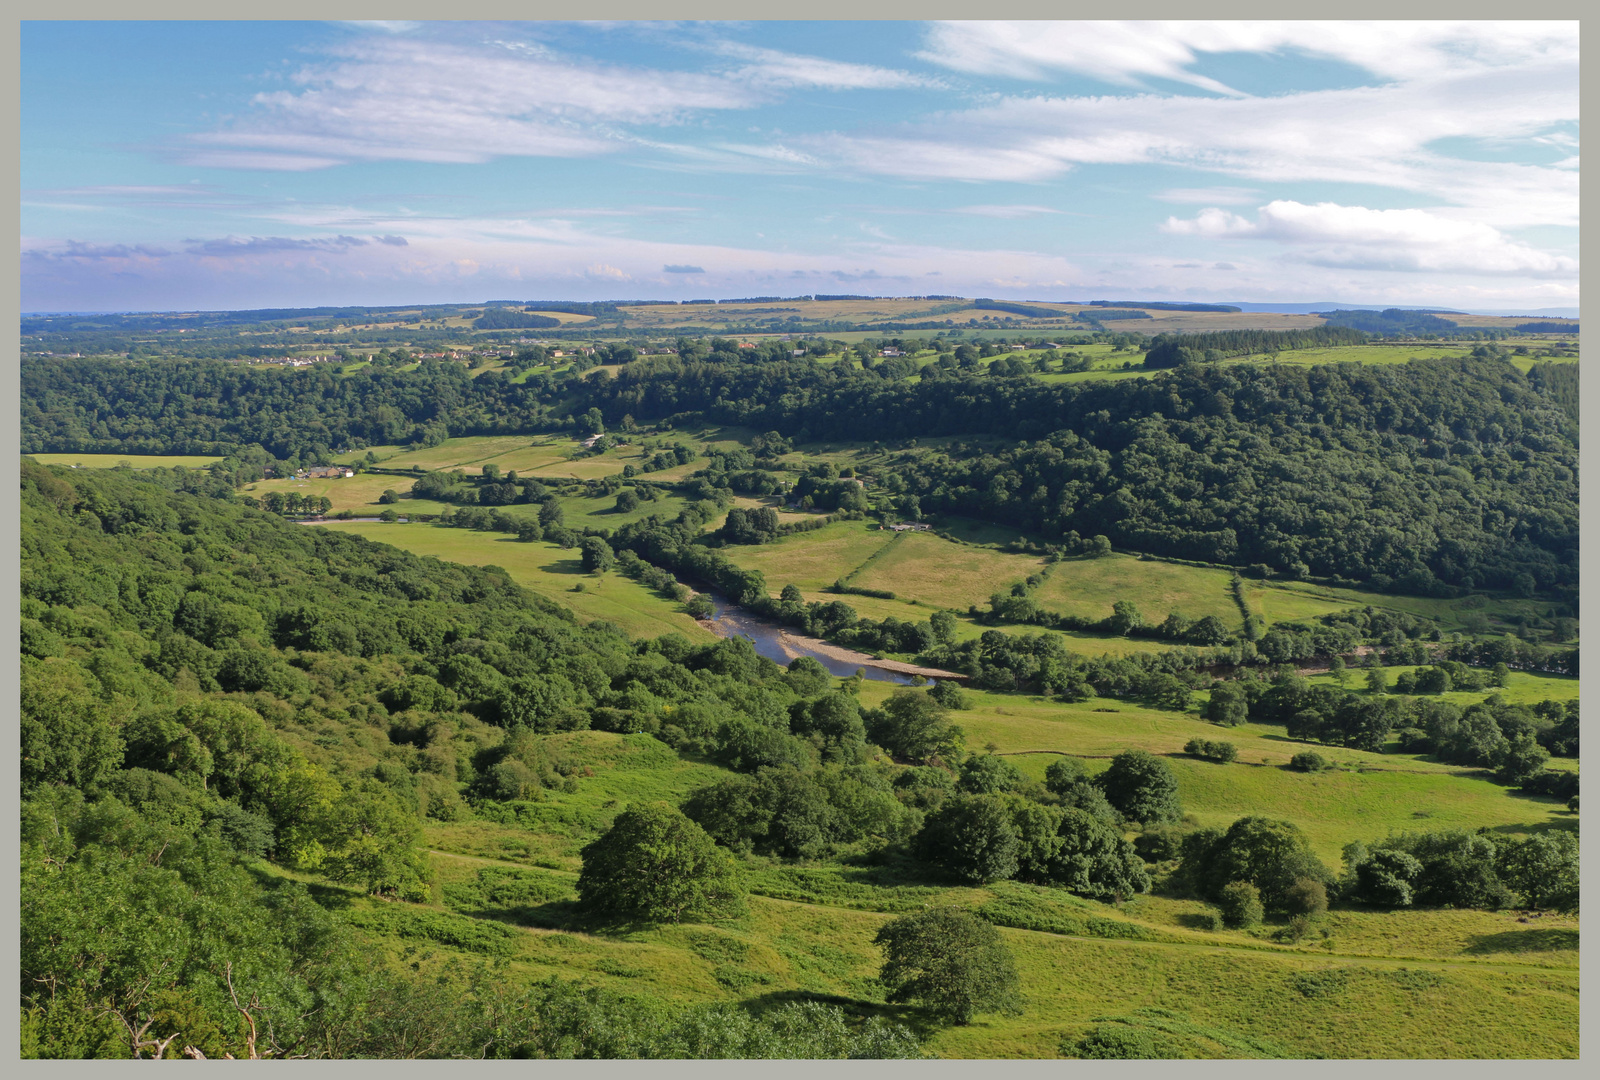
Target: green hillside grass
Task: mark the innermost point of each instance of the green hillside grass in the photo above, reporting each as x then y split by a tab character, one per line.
1288	601
1088	588
1367	797
137	461
546	569
932	570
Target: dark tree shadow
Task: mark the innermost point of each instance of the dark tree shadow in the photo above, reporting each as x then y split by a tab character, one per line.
1566	823
1516	941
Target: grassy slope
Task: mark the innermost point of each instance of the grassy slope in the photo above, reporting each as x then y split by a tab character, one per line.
1287	601
1370	796
137	461
1414	983
546	569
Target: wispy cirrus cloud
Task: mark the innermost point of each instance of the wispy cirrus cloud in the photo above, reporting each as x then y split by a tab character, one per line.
1130	53
1370	136
776	68
1355	237
255	245
404	99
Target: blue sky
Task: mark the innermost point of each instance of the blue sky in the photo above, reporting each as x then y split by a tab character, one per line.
232	165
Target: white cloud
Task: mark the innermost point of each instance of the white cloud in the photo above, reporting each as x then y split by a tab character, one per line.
465	259
772	67
1356	237
1021	211
1131	53
385	26
406	99
1369	136
392	98
1211	196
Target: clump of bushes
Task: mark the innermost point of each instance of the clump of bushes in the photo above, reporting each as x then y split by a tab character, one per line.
1113	1042
1241	907
1159	844
1211	750
1307	897
1309	761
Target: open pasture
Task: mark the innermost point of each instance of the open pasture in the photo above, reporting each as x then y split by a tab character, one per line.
359	493
135	461
937	572
1285	601
1089	587
545	569
1366	798
811	561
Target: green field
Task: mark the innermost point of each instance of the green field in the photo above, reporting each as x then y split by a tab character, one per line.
1089	587
136	461
545	569
811	561
1289	600
934	571
1368	797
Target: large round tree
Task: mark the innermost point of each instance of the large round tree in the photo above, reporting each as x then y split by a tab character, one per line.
1141	787
951	962
657	865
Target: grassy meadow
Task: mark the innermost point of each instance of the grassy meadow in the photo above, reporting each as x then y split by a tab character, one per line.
1363	984
1089	587
545	568
134	461
1287	601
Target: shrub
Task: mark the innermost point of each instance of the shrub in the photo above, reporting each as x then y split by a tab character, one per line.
989	774
1307	896
1270	855
1309	761
973	837
1229	705
1240	903
1110	1042
1206	920
1212	751
1158	845
1388	879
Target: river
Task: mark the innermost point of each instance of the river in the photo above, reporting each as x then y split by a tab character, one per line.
732	620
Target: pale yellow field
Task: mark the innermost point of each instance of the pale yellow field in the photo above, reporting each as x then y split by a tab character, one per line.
359	492
137	461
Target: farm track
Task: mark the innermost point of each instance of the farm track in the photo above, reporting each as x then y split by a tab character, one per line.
1173	941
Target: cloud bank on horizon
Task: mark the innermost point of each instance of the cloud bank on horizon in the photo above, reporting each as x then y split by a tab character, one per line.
302	164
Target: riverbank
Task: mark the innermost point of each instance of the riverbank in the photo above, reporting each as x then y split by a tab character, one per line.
796	645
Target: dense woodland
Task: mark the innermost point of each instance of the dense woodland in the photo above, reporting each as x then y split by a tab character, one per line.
206	685
1460	473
